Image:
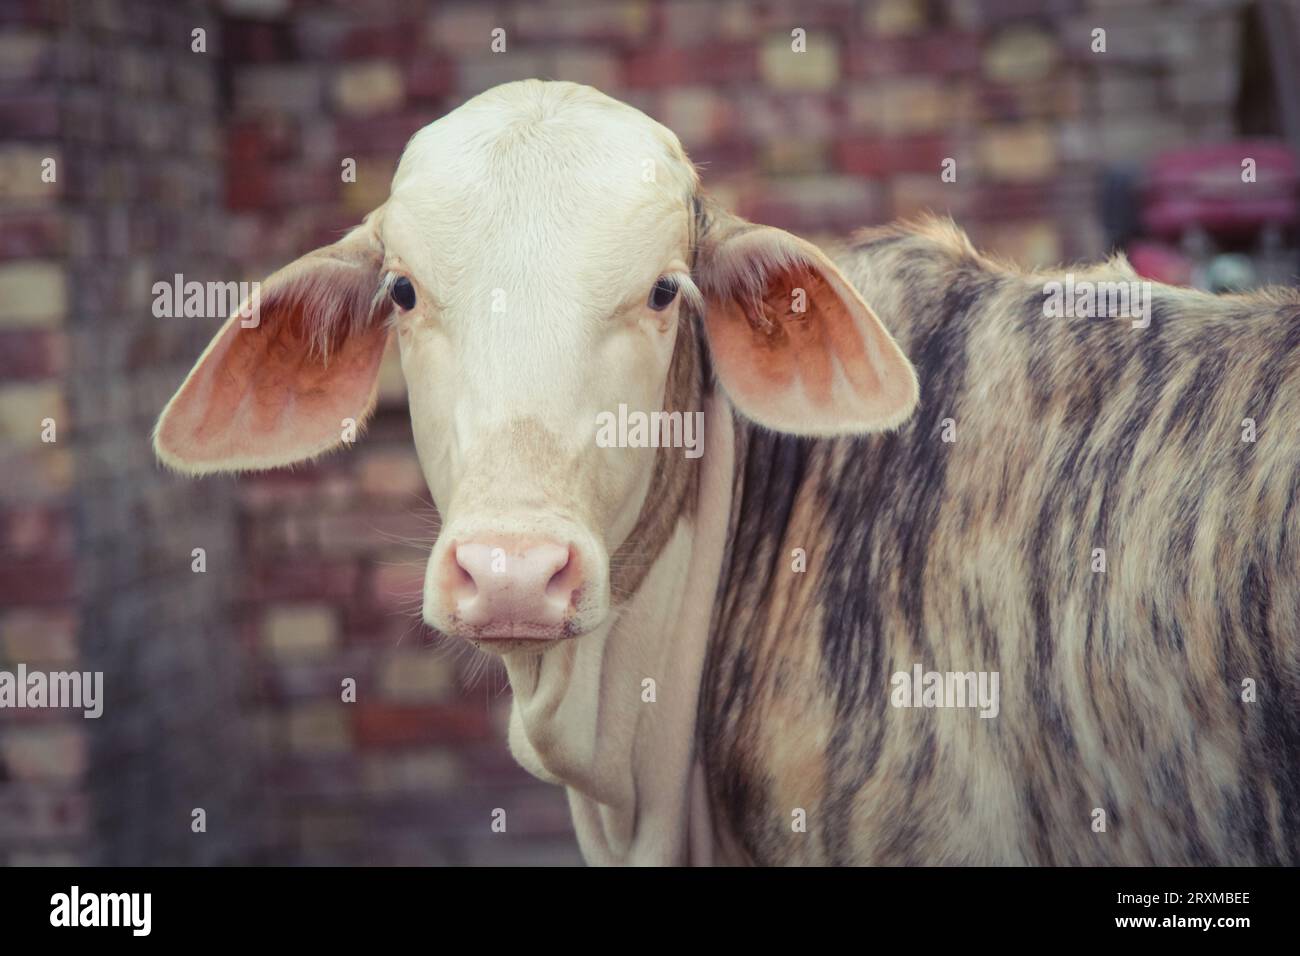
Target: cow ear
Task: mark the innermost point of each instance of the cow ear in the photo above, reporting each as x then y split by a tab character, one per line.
794	345
289	371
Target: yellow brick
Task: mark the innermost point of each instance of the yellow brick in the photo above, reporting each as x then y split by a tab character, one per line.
895	17
1033	244
32	292
420	772
392	473
367	88
328	827
588	66
1019	153
463	28
24	407
40	637
319	728
21	172
418	674
1020	54
903	106
794	155
693	113
912	195
371	186
44	753
300	630
816	69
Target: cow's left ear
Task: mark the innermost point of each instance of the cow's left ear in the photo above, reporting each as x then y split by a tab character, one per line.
794	345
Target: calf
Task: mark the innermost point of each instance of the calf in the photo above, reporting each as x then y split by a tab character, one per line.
715	653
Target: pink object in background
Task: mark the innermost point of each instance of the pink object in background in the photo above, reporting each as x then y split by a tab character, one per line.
1203	187
1159	262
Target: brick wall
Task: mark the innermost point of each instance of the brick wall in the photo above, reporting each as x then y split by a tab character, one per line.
96	565
44	806
226	165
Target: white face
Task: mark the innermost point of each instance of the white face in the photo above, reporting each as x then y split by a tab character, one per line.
537	248
541	247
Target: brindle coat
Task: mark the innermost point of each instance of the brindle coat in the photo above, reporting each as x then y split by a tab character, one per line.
1121	690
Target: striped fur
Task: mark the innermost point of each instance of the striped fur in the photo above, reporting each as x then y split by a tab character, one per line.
1120	691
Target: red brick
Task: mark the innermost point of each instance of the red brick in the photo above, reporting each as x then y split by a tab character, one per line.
885	157
309	485
933	53
248	186
386	725
717	63
382	134
606	22
301	579
29	354
246	142
727	156
34	12
429	76
363	531
995	12
994	201
37	531
255	41
43	580
691	20
397	587
32	233
302	185
388	40
29	115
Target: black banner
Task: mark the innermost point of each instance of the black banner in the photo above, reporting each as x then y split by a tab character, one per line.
434	906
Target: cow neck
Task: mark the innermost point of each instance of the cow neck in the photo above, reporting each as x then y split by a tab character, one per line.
586	715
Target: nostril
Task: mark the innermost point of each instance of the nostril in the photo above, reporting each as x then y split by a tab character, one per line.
565	581
462	581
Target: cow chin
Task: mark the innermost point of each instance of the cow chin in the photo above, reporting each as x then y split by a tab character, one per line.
518	586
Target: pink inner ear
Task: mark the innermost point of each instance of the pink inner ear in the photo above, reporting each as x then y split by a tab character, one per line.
264	396
819	371
786	347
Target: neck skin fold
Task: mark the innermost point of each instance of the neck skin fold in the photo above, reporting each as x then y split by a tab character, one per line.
582	714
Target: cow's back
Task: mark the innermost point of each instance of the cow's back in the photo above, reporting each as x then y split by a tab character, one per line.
1072	441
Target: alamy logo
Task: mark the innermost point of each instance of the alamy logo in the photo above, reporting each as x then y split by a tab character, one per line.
208	300
1085	299
79	690
946	689
651	430
74	908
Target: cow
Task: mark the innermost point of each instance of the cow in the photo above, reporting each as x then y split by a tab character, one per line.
952	579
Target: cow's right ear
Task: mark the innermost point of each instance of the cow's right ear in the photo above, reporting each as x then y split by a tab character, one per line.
289	371
795	347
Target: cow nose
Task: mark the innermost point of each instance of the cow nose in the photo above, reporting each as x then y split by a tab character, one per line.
515	587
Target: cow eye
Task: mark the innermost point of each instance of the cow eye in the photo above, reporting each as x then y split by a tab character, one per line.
403	293
662	295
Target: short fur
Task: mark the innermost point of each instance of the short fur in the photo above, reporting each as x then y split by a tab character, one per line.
1120	691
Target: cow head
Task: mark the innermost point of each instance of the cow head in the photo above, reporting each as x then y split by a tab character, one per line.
545	257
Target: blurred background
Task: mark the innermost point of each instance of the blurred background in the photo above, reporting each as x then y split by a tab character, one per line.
222	686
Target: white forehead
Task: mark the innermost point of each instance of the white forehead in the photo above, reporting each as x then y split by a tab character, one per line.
543	173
